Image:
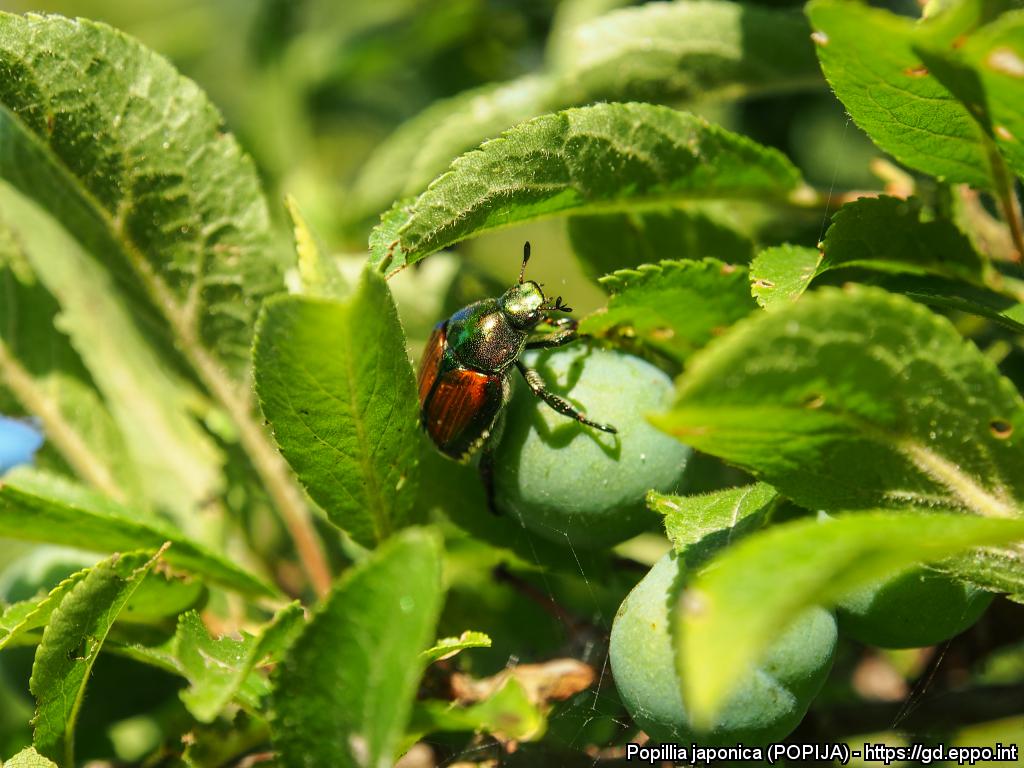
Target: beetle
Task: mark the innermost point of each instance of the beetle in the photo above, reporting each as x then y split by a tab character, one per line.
464	375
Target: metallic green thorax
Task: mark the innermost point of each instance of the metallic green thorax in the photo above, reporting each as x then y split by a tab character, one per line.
490	335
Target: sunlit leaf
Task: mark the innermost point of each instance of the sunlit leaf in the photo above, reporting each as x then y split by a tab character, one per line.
345	689
39	507
336	385
853	399
72	641
609	157
751	592
645	304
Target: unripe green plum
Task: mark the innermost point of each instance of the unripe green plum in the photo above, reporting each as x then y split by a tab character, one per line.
566	481
769	703
914	608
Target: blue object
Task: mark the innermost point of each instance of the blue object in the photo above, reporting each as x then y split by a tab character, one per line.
19	441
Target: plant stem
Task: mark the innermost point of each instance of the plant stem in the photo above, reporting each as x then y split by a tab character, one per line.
58	431
271	468
1008	201
267	462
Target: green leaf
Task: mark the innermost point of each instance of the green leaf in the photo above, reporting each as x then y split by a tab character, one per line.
986	72
421	148
335	382
752	591
39	507
779	275
25	616
151	405
163	595
599	159
133	160
997	570
219	669
885	234
345	690
953	294
318	274
627	240
447	647
645	304
29	758
661	52
72	641
853	399
714	519
683	51
507	714
868	57
46	376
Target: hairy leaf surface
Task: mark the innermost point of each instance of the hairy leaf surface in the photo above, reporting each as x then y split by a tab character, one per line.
660	52
72	641
345	690
219	669
868	57
29	758
750	593
133	160
39	507
883	234
609	157
713	519
335	382
985	70
853	399
780	274
675	307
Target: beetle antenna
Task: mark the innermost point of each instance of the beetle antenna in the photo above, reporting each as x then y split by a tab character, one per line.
526	258
556	306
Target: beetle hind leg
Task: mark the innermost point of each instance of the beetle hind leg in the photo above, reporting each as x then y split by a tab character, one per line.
539	388
487	476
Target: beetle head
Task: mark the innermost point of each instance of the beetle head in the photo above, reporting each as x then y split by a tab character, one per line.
524	304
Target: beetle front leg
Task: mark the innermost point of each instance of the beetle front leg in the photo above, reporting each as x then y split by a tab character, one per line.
537	386
567	332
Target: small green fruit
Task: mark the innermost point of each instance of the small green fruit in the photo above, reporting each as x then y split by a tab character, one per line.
912	609
767	707
566	481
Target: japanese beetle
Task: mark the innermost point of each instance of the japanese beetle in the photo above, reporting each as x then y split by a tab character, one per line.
464	374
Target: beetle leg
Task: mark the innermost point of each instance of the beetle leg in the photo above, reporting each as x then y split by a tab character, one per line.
566	332
487	475
553	340
537	386
564	322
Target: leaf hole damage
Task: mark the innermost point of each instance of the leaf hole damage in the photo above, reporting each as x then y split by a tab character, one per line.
1006	61
1004	134
762	283
916	71
820	38
813	400
1001	428
662	333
